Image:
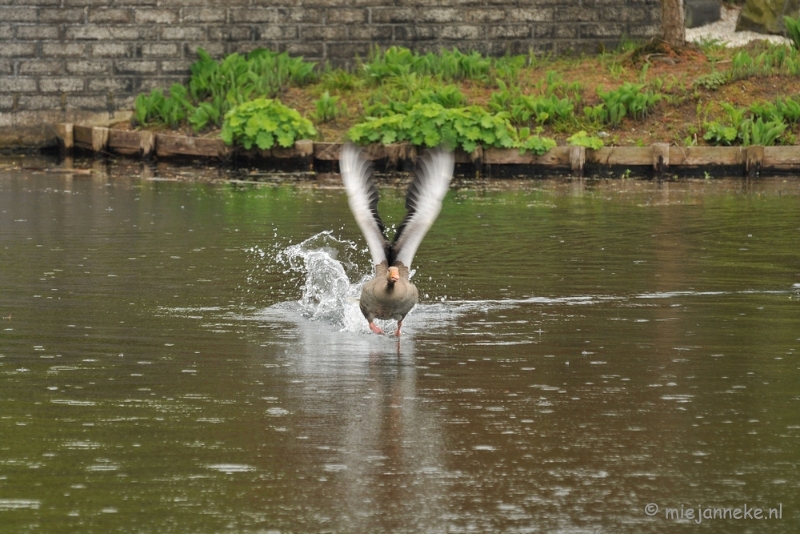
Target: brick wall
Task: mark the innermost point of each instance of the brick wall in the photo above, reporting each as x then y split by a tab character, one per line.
86	60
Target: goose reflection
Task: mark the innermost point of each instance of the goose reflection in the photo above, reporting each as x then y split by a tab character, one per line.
371	442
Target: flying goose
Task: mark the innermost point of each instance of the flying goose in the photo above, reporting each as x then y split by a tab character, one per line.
390	294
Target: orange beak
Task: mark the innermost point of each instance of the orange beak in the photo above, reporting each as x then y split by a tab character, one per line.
394	274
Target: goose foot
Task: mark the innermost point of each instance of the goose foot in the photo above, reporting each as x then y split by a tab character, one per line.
375	328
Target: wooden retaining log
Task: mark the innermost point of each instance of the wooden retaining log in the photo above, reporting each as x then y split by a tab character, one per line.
704	156
782	158
374	152
65	135
396	153
754	158
631	156
99	138
327	151
179	145
82	137
147	144
661	157
305	151
577	160
125	142
557	157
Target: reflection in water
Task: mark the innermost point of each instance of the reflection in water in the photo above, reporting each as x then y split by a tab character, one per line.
387	450
384	452
190	357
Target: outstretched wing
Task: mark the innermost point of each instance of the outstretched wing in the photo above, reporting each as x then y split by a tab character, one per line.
362	195
423	202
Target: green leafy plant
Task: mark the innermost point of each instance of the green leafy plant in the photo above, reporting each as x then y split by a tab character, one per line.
171	113
735	115
409	82
448	96
596	114
394	61
262	72
524	108
168	110
327	108
264	122
503	99
204	115
629	99
712	48
742	66
775	60
533	142
783	109
341	80
554	84
448	65
215	87
788	109
455	65
712	80
142	108
583	139
433	124
634	97
657	84
765	125
508	68
616	70
720	134
758	132
793	30
643	73
391	99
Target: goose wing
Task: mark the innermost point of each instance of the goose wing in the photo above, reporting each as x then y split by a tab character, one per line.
423	203
362	195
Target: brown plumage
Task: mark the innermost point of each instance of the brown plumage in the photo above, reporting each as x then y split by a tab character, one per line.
390	294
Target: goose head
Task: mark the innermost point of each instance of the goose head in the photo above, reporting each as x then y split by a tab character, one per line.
392	275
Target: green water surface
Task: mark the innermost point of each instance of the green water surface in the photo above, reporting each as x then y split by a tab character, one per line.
583	350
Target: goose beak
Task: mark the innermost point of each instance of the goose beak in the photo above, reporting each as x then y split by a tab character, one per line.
394	274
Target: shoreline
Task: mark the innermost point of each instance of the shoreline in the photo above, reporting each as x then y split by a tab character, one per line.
690	107
658	160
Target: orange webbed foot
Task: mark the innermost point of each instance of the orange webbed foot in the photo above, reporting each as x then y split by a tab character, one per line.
375	328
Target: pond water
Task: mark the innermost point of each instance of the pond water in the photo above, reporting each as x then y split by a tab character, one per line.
588	356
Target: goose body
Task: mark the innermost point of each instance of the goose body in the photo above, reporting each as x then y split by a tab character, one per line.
390	294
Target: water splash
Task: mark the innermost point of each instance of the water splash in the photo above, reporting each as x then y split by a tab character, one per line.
326	287
321	269
326	274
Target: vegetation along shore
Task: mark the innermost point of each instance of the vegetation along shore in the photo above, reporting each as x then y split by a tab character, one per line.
636	95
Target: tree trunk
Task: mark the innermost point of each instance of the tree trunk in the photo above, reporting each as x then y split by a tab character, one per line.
672	22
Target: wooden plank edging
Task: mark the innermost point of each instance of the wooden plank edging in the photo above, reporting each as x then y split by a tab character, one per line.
661	157
180	145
